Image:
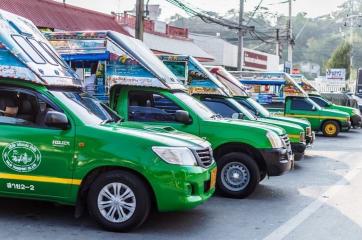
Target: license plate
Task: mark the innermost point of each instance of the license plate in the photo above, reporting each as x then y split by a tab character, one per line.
213	178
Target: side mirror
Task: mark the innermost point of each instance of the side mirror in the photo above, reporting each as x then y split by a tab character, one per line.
183	117
57	120
237	116
314	108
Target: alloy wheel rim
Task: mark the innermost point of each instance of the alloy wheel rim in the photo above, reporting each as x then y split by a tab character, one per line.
235	176
331	129
116	202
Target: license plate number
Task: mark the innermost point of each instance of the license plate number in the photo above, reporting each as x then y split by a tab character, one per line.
213	178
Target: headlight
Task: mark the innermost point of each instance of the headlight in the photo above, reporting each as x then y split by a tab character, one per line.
356	111
302	137
308	131
275	140
176	155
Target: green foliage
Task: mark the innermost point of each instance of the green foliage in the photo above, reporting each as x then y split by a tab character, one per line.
315	38
341	58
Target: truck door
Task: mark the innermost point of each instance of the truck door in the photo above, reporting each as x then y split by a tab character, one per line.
35	160
157	109
299	107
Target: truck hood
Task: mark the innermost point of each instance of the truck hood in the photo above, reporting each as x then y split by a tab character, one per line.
252	124
300	122
290	128
165	136
342	108
334	113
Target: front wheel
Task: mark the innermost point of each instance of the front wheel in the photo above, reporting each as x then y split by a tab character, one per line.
331	129
238	175
119	201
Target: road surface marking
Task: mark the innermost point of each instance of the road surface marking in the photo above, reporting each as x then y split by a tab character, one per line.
285	229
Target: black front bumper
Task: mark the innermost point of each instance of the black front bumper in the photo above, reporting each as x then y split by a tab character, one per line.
278	161
310	139
346	126
298	150
356	121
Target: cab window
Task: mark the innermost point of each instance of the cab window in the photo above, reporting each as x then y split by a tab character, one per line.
219	107
320	102
301	104
23	109
148	106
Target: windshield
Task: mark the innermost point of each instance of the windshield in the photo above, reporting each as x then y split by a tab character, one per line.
320	101
245	111
197	106
261	111
87	108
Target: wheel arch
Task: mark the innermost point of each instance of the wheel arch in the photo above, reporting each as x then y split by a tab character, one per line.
242	148
333	120
92	175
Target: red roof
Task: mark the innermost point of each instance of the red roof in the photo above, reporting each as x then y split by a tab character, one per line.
51	14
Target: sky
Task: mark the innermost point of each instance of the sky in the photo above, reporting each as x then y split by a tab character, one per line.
313	8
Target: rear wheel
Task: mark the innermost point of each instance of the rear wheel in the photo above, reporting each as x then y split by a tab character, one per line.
238	175
119	201
330	129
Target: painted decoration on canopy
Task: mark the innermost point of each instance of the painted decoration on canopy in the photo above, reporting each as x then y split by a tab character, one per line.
195	76
304	83
276	84
11	67
229	81
128	61
26	55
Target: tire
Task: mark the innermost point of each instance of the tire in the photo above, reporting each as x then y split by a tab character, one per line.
138	194
240	164
331	128
298	156
262	175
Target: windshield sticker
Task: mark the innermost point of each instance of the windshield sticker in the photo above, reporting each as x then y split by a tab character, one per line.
21	156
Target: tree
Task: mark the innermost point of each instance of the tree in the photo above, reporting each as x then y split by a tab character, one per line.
341	58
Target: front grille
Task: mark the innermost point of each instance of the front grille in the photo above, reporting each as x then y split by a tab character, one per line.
286	141
204	157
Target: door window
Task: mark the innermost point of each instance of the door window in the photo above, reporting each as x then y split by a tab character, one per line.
301	104
148	106
24	109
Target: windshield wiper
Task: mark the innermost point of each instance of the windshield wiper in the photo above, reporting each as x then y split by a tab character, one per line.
109	120
112	120
216	116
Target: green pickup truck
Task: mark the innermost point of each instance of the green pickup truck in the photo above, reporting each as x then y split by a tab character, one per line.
313	94
242	97
59	144
143	90
219	98
281	95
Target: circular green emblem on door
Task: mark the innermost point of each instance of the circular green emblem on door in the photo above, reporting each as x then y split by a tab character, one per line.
21	156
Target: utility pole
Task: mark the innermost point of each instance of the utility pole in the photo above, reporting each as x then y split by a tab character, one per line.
277	50
139	29
351	40
290	36
241	36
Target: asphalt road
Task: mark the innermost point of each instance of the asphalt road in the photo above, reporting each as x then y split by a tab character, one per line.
320	199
